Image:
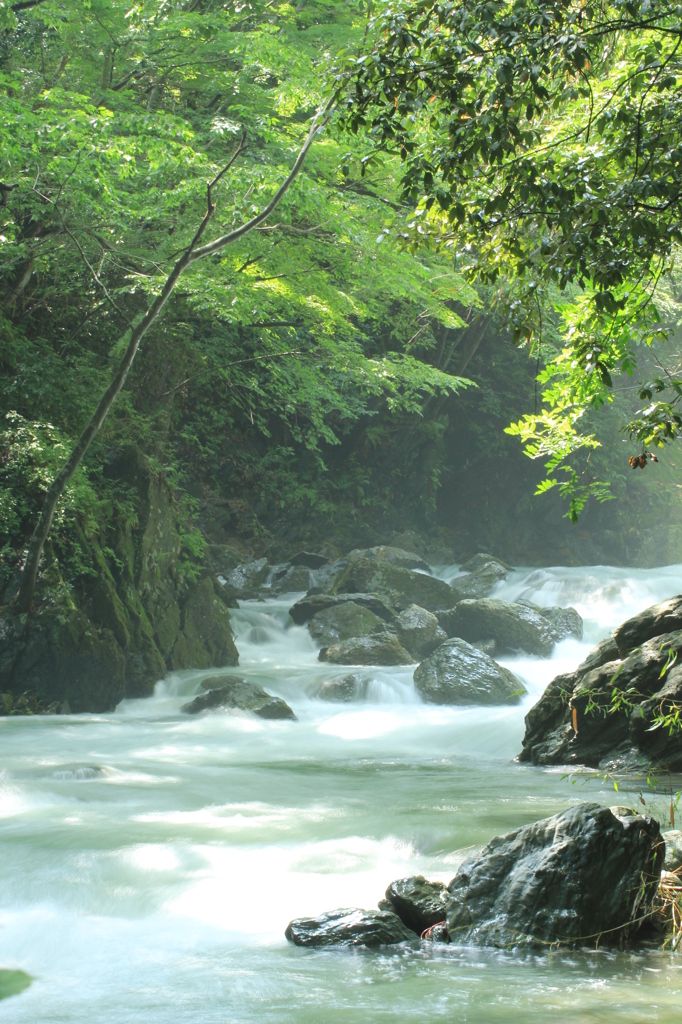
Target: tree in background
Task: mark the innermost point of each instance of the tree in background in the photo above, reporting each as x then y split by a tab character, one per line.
541	143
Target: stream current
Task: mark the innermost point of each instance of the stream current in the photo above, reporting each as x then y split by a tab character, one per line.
151	860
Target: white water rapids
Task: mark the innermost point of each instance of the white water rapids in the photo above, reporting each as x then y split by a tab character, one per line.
151	860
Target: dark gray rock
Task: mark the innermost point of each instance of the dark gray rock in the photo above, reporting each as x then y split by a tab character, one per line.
657	620
418	903
419	631
289	579
237	693
513	627
327	576
565	622
585	877
577	722
310	559
387	553
485	563
480	575
312	604
246	580
397	587
344	621
349	927
379	649
343	689
457	673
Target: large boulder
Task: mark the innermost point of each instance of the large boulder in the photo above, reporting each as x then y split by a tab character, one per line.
419	630
378	649
618	709
349	927
587	876
397	586
238	694
457	673
479	576
312	604
418	903
327	575
513	627
343	621
659	619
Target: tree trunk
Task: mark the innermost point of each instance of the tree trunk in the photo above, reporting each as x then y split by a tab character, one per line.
24	599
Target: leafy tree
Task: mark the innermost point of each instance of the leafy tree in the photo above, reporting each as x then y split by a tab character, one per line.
114	117
540	142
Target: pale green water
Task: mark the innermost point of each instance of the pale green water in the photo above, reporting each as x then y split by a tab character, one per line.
151	861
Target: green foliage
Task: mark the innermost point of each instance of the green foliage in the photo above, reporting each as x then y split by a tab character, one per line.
540	142
31	453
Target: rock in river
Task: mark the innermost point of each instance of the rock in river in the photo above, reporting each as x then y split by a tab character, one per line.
237	693
418	903
378	649
349	927
457	673
576	720
587	876
513	627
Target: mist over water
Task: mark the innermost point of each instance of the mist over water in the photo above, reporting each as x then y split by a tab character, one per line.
151	860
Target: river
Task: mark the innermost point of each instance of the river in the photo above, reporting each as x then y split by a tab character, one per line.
151	860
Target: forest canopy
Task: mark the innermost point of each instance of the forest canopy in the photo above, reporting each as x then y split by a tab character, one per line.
481	163
541	142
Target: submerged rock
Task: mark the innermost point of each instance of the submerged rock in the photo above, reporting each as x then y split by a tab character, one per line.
618	708
583	877
349	927
513	627
343	689
378	649
457	673
237	693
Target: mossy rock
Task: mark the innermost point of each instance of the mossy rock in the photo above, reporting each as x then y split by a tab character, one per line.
205	639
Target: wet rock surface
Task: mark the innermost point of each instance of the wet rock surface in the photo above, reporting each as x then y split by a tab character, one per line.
617	710
378	649
583	877
479	577
397	586
513	627
240	695
458	673
419	631
349	927
343	622
305	608
418	903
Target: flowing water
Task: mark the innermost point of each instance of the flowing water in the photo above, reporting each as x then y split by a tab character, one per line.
151	860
